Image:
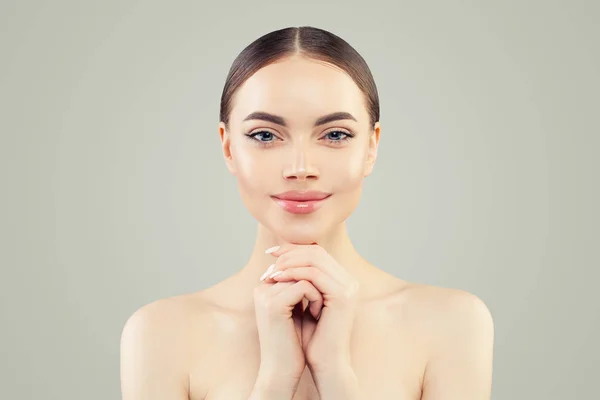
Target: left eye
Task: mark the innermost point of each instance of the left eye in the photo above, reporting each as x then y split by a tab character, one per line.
336	135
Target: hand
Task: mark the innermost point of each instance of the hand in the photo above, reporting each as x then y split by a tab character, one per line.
279	313
326	342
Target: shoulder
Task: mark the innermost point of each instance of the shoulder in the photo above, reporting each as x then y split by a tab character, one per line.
458	330
169	322
445	314
158	341
164	318
447	305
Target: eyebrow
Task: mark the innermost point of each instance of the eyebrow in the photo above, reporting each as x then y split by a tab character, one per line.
276	119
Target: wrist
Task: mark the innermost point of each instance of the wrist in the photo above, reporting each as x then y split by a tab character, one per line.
273	387
341	383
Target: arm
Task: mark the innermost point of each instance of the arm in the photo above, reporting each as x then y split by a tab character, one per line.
152	362
460	366
271	388
341	383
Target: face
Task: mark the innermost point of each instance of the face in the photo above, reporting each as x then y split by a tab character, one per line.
294	151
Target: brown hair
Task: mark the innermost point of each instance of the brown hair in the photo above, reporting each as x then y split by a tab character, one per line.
307	41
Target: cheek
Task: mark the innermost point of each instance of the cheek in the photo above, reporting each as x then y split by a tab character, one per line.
348	173
249	168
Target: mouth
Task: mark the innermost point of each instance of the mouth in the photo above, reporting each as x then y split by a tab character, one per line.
301	202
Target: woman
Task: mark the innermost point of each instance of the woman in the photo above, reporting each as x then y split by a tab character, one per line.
307	317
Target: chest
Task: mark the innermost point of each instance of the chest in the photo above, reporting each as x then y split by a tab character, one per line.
388	363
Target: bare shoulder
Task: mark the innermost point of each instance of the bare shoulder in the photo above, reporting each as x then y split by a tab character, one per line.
159	341
442	311
444	305
458	329
167	318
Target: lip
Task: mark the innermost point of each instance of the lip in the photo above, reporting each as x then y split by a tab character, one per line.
301	202
302	195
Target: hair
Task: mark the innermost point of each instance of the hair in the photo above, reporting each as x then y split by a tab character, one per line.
307	41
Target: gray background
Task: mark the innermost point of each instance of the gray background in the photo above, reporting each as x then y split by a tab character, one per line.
115	193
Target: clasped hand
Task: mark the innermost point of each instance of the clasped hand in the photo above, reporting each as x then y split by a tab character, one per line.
326	328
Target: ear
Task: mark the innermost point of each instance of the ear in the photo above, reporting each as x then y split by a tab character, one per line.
226	147
372	153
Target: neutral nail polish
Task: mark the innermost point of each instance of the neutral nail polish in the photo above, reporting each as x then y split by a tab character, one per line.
267	272
274	274
271	249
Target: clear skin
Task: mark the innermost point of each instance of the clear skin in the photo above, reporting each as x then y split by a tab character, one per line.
377	336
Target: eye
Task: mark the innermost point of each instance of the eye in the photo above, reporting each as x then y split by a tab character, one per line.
262	138
337	137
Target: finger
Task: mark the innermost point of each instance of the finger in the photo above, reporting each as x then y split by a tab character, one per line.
283	248
277	287
299	290
312	256
318	278
315	308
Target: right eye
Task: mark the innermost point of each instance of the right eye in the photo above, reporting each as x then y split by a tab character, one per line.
262	136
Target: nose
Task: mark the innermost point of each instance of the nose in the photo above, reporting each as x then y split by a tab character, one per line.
299	166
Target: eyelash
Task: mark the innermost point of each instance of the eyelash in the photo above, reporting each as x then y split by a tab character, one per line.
347	137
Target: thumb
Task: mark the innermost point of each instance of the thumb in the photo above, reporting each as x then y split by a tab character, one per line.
309	325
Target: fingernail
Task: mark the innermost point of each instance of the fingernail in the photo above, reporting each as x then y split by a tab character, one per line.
271	249
267	272
274	274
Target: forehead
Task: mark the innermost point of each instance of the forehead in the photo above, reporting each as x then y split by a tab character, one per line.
301	90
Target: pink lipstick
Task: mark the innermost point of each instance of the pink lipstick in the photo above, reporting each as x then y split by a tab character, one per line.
300	202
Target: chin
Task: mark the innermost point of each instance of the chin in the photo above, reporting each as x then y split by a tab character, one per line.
300	238
306	229
300	233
